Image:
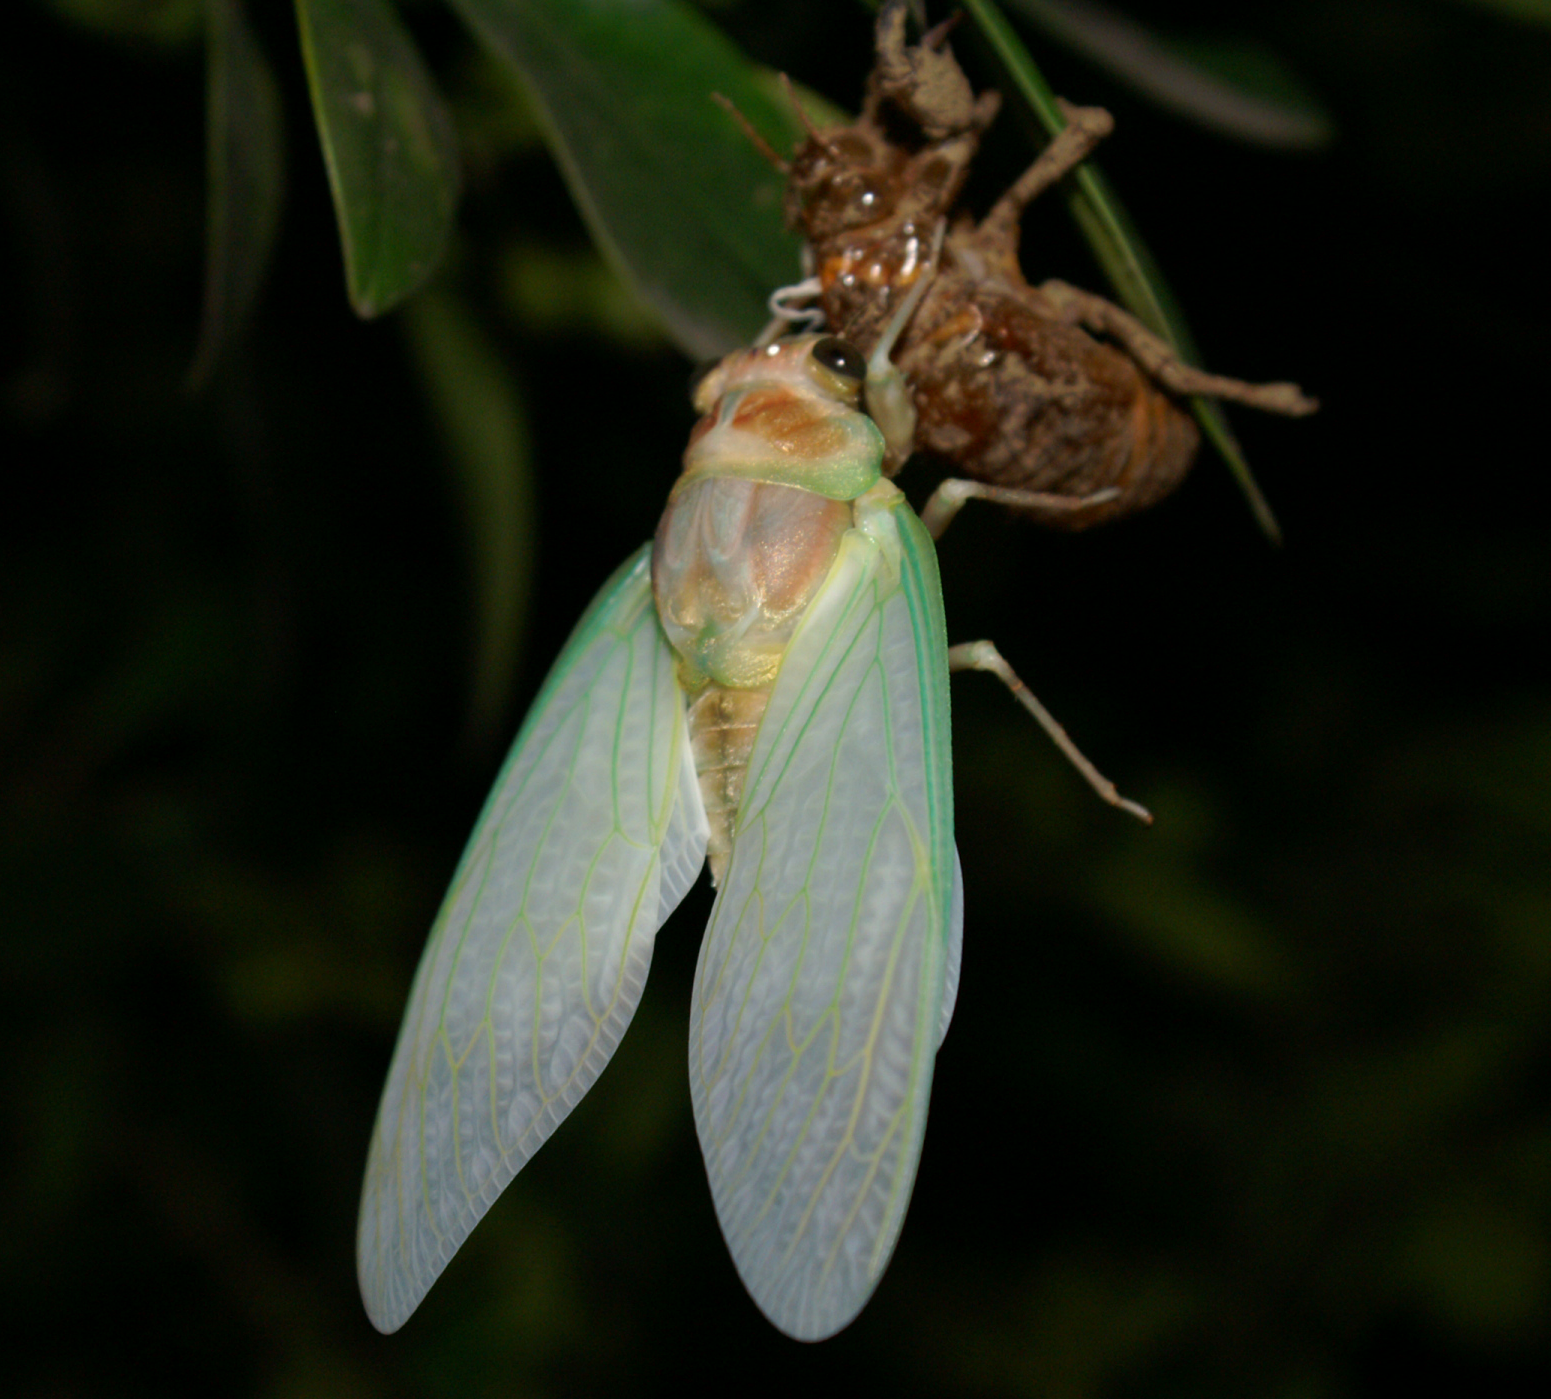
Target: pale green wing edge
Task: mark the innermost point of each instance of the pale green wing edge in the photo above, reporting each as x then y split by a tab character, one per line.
950	982
820	994
591	836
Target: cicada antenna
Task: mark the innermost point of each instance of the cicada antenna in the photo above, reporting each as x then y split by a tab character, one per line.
814	134
759	143
934	37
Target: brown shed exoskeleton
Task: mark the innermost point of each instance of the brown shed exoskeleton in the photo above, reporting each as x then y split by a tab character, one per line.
1045	398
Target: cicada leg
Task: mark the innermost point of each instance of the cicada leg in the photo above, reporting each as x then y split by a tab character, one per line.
1159	360
954	493
888	395
983	655
1066	151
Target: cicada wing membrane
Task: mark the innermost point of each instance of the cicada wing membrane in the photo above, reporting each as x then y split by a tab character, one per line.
950	982
592	834
820	991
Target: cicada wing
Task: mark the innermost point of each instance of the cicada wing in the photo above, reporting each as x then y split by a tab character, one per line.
593	832
819	994
950	981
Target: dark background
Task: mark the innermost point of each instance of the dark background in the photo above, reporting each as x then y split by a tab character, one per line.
1256	1102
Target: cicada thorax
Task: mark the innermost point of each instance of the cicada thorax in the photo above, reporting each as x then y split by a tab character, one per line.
869	199
734	565
750	533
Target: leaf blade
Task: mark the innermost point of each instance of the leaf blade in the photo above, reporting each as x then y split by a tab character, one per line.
244	138
388	144
1236	89
478	405
672	191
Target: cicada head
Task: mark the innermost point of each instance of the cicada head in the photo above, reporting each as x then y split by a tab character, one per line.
841	180
814	369
788	413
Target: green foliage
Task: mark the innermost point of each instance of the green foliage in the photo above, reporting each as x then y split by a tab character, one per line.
1530	11
1243	90
671	189
244	139
388	143
479	410
170	22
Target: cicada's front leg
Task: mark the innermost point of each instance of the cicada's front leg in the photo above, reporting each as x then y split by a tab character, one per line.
887	392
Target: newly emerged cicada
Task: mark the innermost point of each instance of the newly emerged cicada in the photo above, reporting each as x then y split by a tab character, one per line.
1046	398
766	686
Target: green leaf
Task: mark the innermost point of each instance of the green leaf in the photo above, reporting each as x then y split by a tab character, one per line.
1239	89
479	408
673	191
388	143
1119	249
244	144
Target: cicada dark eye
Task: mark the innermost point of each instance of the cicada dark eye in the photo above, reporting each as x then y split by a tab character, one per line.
841	357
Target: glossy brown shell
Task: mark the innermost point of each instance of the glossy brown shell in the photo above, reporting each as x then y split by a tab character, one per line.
1014	394
1007	389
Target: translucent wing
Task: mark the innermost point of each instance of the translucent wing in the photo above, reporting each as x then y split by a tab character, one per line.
820	991
591	836
950	981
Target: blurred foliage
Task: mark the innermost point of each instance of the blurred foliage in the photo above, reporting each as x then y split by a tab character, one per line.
244	177
1229	85
1257	1102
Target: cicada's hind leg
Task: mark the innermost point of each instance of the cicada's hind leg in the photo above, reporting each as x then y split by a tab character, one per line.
1158	359
955	492
983	655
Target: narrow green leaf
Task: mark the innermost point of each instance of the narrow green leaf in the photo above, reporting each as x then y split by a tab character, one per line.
1181	919
556	291
1238	89
672	190
1214	423
169	22
388	143
244	143
479	408
1530	11
1119	249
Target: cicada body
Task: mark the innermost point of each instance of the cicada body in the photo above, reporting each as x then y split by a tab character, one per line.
1048	390
765	685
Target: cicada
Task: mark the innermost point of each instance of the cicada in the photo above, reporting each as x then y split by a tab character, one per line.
1046	398
764	687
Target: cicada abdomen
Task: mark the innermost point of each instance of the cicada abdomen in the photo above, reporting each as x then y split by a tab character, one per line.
751	530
